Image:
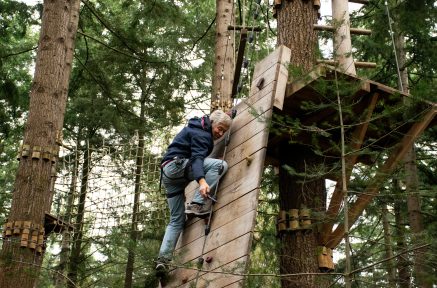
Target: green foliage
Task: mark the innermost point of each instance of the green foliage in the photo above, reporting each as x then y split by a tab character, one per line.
16	44
265	245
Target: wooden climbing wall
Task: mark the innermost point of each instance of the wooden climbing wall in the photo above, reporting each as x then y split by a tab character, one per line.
229	240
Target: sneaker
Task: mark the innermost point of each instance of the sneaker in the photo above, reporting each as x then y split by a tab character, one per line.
197	209
161	268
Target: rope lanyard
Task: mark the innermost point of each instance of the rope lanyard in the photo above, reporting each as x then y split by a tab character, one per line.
213	197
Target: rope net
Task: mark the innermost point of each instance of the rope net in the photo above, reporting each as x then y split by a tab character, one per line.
110	196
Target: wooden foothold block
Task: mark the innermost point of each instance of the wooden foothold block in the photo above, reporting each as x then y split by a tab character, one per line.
46	153
294	214
325	259
294	224
33	240
17	227
260	83
55	153
25	150
36	152
249	160
24	239
8	229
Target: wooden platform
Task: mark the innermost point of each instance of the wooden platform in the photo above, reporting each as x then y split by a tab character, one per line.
311	100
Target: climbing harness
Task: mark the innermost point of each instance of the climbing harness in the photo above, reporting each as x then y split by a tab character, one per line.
213	198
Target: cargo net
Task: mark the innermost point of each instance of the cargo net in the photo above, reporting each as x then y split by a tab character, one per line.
111	212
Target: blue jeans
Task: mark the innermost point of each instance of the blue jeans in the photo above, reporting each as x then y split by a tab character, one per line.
175	179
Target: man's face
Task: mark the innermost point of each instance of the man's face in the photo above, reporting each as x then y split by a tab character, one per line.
218	130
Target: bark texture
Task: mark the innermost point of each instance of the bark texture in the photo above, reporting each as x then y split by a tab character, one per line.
299	249
224	57
48	98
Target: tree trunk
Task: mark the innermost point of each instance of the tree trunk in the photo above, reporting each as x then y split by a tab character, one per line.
296	20
224	61
412	182
48	97
402	261
299	249
61	280
136	207
391	275
76	251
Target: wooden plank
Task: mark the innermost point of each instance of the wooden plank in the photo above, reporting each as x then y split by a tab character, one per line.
271	60
217	237
260	108
357	64
390	164
299	83
243	136
222	216
221	259
236	184
251	144
225	280
356	31
281	79
269	76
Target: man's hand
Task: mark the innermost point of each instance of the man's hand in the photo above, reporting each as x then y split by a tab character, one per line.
203	188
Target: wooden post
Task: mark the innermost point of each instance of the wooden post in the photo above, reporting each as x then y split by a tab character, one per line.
224	53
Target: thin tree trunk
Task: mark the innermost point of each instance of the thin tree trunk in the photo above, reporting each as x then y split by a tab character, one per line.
402	263
128	281
299	249
391	275
412	182
76	251
66	233
48	97
224	57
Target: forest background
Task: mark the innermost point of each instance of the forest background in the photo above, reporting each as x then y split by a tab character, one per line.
140	68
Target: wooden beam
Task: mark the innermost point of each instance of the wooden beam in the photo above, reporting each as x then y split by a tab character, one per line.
250	28
356	31
355	145
364	2
390	164
239	63
358	64
305	80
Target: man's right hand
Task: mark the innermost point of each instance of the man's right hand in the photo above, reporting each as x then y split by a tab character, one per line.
203	187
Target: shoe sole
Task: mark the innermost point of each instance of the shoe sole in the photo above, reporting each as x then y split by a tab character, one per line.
161	272
188	212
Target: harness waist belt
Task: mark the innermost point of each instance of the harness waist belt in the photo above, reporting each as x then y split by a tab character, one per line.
166	162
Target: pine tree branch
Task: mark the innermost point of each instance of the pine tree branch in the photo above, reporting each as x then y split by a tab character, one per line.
390	258
18	53
118	51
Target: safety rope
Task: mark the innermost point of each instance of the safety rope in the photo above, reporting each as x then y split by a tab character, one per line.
213	196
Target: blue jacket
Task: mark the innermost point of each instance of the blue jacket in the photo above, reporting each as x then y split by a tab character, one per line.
194	142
